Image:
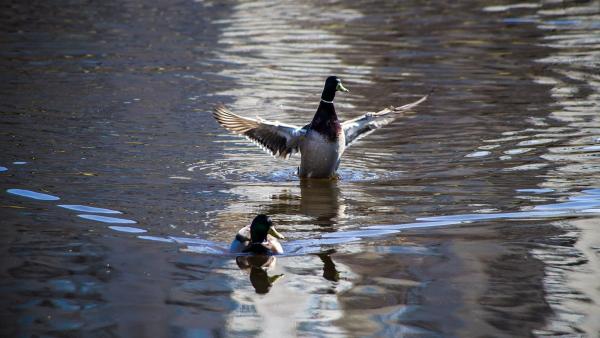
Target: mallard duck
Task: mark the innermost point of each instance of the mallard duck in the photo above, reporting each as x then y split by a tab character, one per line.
322	142
260	237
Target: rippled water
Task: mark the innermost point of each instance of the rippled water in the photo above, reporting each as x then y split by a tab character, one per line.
475	216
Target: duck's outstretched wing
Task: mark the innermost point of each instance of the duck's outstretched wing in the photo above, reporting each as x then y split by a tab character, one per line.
279	139
362	126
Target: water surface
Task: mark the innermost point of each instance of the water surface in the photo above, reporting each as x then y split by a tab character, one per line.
477	215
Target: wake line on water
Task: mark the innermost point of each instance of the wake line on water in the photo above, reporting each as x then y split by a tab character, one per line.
588	203
582	205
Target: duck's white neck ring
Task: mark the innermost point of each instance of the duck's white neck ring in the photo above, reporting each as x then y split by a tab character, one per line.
327	101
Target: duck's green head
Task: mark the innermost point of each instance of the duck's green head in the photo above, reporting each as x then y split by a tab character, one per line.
261	226
332	84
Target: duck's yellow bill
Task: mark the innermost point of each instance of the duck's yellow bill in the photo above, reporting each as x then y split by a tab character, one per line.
273	279
275	233
341	87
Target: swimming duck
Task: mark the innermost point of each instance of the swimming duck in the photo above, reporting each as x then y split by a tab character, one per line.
260	237
322	142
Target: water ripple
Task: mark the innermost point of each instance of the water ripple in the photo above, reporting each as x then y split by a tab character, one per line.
131	230
478	154
85	208
106	219
33	195
156	239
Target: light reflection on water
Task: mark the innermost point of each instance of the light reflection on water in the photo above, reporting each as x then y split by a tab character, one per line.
576	89
33	194
587	203
131	230
475	216
85	208
106	219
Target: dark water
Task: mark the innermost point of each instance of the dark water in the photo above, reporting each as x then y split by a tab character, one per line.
477	216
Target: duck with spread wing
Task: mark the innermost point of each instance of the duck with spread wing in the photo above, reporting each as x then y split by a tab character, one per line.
322	142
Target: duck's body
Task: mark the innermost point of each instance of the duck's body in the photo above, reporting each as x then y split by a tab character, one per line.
243	244
320	156
260	237
322	142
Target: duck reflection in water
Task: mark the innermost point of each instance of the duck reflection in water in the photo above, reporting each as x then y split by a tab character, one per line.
258	267
320	199
330	272
259	238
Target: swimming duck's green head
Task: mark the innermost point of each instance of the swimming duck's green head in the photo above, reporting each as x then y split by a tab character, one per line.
332	84
261	226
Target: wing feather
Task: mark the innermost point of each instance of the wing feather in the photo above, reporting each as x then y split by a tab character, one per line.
364	125
279	139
